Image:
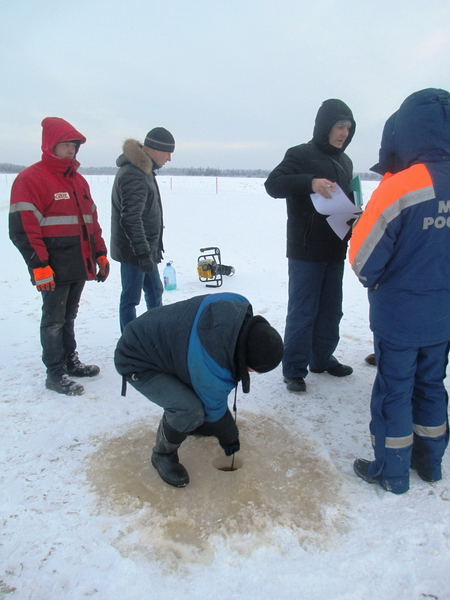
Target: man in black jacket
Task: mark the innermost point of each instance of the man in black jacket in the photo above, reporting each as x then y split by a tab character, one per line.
315	252
137	221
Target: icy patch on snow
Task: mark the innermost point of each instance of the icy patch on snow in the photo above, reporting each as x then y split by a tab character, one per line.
282	483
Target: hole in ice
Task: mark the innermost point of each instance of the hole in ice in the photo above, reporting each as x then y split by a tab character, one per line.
286	486
227	464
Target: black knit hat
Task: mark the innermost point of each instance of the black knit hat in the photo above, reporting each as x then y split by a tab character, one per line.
160	139
263	347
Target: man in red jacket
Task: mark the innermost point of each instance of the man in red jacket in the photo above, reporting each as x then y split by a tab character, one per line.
53	222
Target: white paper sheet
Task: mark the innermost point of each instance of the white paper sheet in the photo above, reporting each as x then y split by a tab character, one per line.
339	208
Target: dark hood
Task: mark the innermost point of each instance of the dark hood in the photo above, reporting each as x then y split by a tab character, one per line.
419	132
387	161
328	114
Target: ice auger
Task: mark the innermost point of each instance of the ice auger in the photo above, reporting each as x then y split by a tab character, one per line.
210	268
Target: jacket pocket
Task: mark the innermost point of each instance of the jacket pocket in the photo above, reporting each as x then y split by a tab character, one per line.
65	258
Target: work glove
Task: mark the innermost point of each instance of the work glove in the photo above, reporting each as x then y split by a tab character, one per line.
145	263
230	449
226	431
103	268
44	279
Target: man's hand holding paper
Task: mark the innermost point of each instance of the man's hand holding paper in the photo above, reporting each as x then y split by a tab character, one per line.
339	208
324	187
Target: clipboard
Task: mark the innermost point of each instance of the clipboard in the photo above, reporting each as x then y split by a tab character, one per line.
355	187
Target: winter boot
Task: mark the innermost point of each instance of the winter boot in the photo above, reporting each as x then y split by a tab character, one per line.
64	385
371	360
396	485
427	465
338	370
165	455
77	369
295	384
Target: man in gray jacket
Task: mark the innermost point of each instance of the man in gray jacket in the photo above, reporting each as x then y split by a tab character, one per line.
137	221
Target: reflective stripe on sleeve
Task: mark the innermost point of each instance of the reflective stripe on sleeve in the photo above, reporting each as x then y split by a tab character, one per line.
395	192
389	214
22	206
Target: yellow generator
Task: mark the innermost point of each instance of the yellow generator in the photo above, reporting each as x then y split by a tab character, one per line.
210	268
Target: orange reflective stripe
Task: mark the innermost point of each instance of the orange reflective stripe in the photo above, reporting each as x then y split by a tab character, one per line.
391	189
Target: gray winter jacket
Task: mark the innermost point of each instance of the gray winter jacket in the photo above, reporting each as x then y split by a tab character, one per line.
136	210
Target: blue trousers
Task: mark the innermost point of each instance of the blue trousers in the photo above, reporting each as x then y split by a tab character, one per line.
59	311
133	282
313	317
183	409
409	420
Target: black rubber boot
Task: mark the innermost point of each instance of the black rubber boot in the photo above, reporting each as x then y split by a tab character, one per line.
165	455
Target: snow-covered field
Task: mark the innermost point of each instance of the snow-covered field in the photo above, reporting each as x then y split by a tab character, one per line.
83	513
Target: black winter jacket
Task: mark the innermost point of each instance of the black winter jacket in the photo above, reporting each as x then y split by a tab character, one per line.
309	237
136	210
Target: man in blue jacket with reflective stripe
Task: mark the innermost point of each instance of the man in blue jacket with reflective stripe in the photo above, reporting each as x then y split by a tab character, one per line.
187	357
400	250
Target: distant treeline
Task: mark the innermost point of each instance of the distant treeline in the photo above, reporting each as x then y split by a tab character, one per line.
191	171
209	172
8	168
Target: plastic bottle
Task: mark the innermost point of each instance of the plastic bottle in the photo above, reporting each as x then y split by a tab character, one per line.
170	277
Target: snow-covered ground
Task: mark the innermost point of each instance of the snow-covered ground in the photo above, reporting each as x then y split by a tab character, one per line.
83	513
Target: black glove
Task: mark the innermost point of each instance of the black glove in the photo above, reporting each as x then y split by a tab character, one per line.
226	431
352	222
230	449
145	264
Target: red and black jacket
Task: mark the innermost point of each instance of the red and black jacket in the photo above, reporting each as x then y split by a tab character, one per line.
53	219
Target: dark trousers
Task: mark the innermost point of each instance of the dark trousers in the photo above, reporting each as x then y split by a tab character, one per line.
183	409
409	417
133	282
314	313
59	311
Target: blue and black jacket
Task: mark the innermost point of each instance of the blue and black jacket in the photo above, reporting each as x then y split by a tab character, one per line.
200	341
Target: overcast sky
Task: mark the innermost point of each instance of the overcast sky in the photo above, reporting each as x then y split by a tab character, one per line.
237	82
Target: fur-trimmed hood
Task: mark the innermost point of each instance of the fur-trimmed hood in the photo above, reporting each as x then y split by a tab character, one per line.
134	153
